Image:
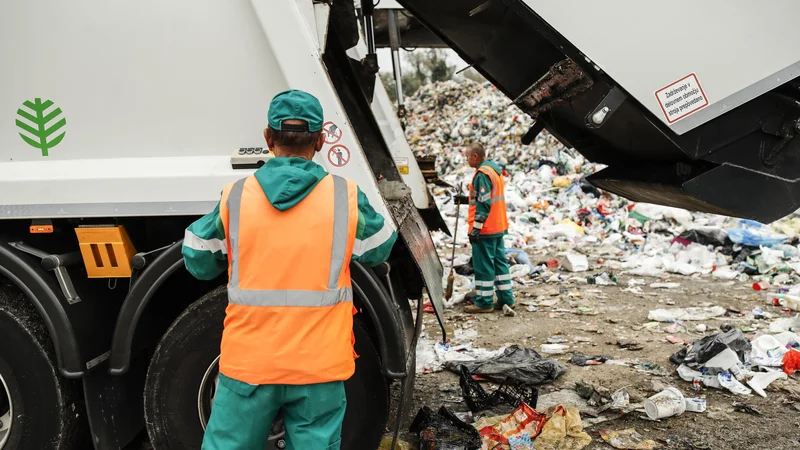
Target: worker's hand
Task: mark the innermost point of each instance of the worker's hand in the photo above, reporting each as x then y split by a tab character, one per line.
473	235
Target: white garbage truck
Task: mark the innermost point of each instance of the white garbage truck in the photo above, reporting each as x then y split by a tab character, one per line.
121	122
120	125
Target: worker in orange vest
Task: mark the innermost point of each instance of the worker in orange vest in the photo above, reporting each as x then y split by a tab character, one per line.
286	236
487	225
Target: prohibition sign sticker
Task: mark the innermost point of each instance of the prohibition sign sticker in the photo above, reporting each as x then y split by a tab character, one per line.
332	133
339	155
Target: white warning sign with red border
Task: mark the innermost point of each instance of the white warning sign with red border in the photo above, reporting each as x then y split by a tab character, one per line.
681	98
332	133
339	155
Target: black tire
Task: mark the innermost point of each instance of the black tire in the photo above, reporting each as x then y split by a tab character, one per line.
48	410
191	345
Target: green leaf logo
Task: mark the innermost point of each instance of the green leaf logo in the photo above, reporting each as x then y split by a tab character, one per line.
36	132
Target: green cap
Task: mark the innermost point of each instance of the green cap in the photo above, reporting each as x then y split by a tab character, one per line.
295	105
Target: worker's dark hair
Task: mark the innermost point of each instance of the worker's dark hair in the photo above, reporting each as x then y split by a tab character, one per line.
294	139
478	149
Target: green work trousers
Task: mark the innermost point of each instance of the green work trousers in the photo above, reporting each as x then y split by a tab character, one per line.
242	415
491	272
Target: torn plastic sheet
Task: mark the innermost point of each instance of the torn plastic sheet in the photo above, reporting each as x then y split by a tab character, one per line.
432	355
702	350
681	314
523	365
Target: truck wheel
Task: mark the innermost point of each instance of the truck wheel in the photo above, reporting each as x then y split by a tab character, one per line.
181	383
38	408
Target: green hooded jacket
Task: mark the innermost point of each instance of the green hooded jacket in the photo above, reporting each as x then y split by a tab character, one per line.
286	182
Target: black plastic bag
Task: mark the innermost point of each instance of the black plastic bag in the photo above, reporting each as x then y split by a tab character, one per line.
523	365
588	188
444	431
465	269
710	346
745	253
707	236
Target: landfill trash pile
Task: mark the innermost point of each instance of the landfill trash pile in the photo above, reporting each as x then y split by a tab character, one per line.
551	206
621	287
444	117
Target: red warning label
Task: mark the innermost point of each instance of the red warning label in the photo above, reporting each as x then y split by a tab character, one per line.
681	98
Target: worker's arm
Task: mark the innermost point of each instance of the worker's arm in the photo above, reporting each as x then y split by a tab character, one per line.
482	186
374	237
204	249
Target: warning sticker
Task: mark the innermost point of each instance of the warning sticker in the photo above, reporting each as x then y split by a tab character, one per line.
339	155
332	133
681	98
402	165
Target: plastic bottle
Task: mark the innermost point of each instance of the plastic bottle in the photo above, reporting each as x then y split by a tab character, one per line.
787	301
760	286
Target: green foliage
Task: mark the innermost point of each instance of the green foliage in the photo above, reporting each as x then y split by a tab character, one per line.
422	67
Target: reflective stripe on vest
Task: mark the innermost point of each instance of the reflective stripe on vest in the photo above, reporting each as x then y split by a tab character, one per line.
497	221
332	296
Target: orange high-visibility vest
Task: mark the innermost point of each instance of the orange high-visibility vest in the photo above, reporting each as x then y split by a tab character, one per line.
290	314
497	222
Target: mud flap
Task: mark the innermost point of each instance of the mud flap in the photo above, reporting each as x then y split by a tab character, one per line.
418	240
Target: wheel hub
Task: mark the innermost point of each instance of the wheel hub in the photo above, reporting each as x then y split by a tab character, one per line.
6	413
205	399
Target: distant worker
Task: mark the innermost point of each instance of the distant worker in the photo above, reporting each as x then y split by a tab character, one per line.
487	225
286	235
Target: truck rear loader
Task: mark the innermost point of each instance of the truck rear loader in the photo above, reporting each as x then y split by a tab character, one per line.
120	123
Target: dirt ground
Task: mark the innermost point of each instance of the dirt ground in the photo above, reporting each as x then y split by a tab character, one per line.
593	318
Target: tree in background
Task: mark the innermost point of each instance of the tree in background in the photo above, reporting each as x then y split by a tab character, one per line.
422	67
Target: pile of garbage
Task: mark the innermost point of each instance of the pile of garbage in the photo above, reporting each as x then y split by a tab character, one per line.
728	360
518	371
446	116
552	208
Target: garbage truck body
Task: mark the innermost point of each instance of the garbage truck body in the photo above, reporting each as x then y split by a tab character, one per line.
120	124
689	104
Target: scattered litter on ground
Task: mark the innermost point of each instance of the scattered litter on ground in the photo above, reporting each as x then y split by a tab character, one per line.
522	421
563	430
690	314
579	359
432	355
627	439
576	262
554	349
667	403
442	430
665	285
629	345
791	362
745	408
697	405
386	444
